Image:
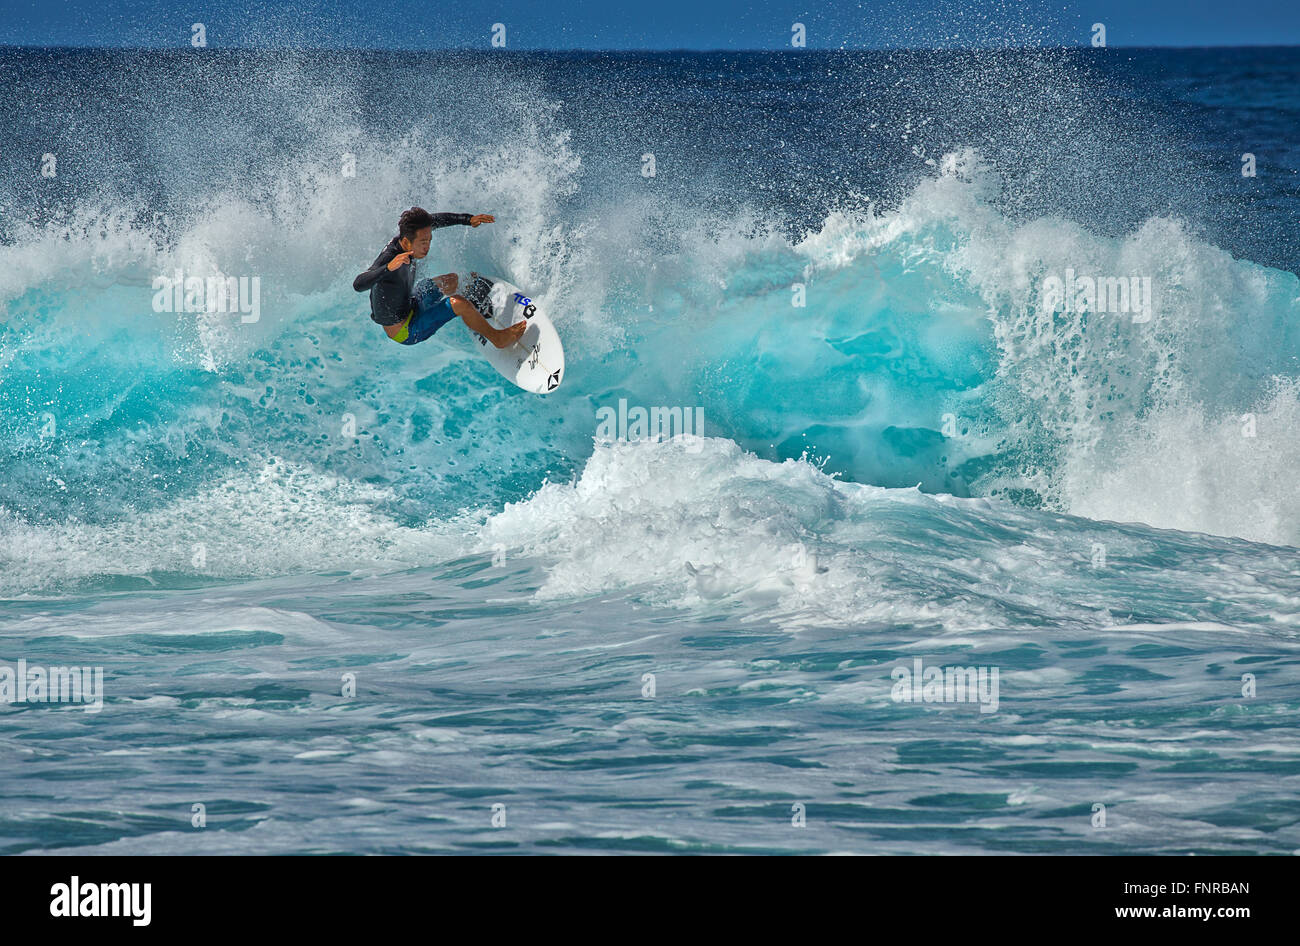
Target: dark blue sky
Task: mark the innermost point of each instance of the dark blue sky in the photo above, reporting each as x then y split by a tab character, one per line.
648	24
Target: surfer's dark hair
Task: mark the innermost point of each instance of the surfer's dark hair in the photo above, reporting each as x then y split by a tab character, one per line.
417	218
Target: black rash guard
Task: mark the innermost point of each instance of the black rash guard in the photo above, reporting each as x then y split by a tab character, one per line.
391	291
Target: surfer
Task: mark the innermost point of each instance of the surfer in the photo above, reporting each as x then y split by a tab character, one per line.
411	311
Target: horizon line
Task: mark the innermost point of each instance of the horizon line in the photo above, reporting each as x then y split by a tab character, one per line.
593	49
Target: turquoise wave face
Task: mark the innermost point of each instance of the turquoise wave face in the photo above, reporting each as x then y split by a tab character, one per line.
897	344
901	348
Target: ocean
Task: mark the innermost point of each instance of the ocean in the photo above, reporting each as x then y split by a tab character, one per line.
348	596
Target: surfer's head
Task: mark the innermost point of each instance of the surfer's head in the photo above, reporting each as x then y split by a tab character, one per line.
415	231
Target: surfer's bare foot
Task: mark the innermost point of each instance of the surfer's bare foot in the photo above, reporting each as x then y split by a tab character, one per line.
505	337
447	283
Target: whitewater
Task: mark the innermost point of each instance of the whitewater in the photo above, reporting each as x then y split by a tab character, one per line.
348	595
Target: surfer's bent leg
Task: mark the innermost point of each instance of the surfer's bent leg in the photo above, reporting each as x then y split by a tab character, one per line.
431	312
500	337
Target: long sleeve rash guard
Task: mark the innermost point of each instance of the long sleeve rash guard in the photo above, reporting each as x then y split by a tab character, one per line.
391	291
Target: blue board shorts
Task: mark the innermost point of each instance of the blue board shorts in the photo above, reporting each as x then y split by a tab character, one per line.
431	311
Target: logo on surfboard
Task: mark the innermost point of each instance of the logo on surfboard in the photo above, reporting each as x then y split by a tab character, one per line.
529	308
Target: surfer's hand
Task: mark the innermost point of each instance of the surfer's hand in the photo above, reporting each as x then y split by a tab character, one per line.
398	261
475	220
447	283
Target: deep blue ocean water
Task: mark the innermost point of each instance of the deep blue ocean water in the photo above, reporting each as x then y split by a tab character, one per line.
922	461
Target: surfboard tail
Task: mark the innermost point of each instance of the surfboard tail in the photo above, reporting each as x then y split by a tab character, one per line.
479	294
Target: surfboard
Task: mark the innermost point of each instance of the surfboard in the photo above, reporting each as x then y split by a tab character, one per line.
535	362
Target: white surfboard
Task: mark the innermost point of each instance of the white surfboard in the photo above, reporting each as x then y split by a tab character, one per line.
536	361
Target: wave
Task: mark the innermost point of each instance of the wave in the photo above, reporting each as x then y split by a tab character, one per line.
762	541
923	354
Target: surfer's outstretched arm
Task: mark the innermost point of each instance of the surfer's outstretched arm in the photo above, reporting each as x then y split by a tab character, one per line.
464	220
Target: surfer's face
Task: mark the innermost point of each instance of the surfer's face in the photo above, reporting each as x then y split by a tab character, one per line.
418	245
